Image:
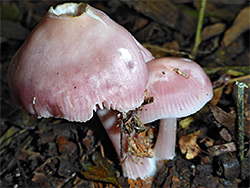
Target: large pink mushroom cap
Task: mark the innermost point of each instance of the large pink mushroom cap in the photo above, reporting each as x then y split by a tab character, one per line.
76	60
180	87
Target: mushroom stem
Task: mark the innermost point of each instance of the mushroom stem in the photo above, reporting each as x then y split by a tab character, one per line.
131	167
165	144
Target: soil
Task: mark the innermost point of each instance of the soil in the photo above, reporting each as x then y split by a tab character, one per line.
57	153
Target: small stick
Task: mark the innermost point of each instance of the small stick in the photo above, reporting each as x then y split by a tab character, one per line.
169	51
198	29
121	139
240	121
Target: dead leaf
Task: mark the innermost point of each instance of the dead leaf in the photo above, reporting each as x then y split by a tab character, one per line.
65	146
41	179
139	23
229	120
217	95
228	166
226	119
101	171
208	142
139	183
223	148
240	25
88	140
188	144
166	49
247	111
175	18
225	135
174	45
214	9
212	30
175	179
229	88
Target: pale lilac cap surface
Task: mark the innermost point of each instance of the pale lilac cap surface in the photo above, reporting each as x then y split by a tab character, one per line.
76	60
180	87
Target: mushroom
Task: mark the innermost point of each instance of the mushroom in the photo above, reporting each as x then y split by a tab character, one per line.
78	60
180	88
131	168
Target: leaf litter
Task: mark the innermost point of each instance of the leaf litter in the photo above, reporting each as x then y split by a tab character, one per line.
57	153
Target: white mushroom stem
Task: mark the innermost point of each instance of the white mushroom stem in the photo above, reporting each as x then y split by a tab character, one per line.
165	143
130	166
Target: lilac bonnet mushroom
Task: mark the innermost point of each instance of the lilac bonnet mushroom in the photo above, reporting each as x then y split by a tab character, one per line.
180	87
75	61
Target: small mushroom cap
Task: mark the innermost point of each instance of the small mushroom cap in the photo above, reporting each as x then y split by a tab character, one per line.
180	87
76	60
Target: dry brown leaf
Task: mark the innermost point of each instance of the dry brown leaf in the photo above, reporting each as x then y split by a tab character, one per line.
88	141
139	183
175	179
65	146
212	30
229	120
175	18
223	148
240	25
41	179
247	111
174	45
224	118
225	135
209	142
229	88
188	144
217	95
139	23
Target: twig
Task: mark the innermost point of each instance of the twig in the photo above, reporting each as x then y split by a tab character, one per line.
49	160
198	30
240	121
241	70
238	79
170	51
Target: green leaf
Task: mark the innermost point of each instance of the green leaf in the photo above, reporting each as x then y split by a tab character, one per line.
8	136
10	11
102	170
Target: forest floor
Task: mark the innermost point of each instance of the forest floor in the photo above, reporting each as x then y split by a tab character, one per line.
57	153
